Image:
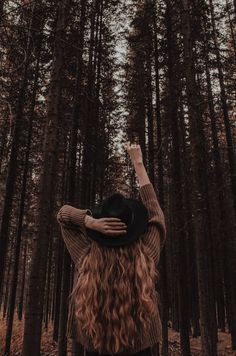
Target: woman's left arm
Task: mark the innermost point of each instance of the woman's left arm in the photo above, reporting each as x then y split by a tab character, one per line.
69	217
73	222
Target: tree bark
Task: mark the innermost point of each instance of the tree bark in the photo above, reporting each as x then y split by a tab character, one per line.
200	199
223	97
14	162
35	297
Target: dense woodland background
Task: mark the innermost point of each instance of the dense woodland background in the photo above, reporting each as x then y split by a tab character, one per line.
79	78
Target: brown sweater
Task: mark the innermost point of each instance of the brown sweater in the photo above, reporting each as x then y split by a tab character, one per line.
73	231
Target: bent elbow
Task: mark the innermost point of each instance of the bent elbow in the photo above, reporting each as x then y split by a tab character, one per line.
60	216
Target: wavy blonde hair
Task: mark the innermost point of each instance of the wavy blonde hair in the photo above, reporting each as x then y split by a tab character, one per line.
115	295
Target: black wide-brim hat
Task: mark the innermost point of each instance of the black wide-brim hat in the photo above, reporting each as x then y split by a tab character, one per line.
130	211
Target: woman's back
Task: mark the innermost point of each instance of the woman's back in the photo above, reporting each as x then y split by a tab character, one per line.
114	306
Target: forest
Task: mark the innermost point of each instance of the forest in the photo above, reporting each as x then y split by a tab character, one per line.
78	79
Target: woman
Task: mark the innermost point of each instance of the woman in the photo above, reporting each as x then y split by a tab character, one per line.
114	307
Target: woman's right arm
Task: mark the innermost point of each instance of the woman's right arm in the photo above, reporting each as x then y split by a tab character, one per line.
141	173
149	199
155	234
135	154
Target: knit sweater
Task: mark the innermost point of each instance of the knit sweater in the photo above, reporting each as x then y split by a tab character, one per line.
72	223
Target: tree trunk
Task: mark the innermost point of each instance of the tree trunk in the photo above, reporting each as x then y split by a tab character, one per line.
13	162
160	183
223	97
89	147
226	226
176	165
20	220
76	118
199	159
34	305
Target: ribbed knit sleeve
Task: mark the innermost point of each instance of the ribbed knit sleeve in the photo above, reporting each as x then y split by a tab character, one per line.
72	225
155	235
69	216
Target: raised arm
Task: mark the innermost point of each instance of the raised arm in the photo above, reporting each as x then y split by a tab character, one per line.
155	234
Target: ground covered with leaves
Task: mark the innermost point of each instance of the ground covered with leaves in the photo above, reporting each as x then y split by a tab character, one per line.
49	347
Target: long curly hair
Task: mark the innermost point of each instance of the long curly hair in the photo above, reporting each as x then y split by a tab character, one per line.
115	296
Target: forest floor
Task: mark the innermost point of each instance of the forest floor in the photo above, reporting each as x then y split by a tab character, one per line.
49	347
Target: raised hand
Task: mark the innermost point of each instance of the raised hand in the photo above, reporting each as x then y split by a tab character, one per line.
134	152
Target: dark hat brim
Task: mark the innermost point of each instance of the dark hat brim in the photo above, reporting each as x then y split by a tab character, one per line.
136	228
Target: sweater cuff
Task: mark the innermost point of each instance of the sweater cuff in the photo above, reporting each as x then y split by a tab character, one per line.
77	216
147	192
